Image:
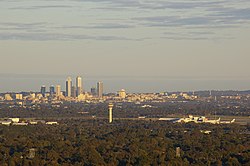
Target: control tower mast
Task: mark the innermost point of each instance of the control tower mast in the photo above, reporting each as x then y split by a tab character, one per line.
110	112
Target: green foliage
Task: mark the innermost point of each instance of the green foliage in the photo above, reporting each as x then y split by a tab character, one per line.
95	142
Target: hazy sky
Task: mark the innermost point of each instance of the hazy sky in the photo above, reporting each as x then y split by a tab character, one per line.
138	45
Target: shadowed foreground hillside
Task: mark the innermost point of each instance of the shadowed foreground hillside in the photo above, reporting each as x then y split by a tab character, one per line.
94	142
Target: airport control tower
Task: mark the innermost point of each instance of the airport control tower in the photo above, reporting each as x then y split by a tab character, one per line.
110	112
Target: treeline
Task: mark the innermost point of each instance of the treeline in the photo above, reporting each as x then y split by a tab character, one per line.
95	142
126	110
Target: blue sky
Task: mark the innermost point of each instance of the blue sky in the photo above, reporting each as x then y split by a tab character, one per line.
162	45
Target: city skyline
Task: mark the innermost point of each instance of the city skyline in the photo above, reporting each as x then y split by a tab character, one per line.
140	45
114	84
124	82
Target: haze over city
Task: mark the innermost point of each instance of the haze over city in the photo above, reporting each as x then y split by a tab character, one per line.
125	82
142	46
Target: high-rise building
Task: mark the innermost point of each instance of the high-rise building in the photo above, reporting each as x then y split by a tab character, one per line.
58	90
51	90
99	89
79	88
73	91
68	87
93	91
43	90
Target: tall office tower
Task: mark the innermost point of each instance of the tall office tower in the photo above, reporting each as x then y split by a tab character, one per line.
78	85
93	91
73	91
51	90
68	87
43	90
58	90
99	89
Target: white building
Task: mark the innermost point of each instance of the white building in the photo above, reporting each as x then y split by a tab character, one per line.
52	123
8	97
14	120
122	94
6	122
79	88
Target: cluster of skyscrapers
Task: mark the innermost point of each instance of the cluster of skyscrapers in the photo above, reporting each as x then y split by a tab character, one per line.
73	91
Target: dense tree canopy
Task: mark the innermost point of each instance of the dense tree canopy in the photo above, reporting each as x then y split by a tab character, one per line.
95	142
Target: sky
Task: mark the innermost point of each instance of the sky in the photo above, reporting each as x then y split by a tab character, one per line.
138	45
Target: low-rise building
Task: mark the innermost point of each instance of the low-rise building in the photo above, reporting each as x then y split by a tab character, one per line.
8	97
122	94
19	97
52	123
20	124
14	120
5	122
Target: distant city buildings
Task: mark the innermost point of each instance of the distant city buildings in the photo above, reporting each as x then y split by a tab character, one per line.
7	97
73	91
96	95
122	94
57	96
51	90
58	90
68	87
19	97
79	88
100	89
43	90
93	91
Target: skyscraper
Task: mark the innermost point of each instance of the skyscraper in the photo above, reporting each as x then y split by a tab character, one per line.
99	89
68	87
78	85
43	90
58	90
51	90
73	91
93	91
